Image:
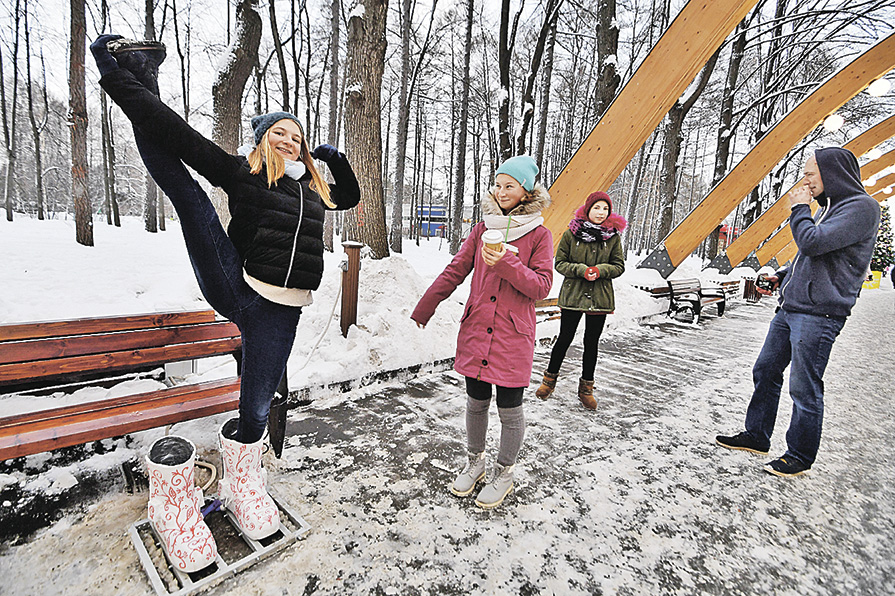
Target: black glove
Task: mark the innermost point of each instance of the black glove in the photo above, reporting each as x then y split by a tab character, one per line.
324	152
105	62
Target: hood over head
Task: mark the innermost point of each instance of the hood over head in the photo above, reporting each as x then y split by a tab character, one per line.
840	174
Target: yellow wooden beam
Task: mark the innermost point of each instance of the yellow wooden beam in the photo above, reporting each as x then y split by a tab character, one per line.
788	253
777	213
697	31
880	184
810	112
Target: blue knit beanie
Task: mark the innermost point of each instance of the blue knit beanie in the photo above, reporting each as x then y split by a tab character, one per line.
261	123
523	168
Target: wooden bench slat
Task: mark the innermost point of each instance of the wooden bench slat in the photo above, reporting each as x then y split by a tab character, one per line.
46	329
81	345
29	443
114	361
65	414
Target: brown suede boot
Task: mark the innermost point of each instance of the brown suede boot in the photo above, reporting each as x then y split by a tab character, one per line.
586	394
547	385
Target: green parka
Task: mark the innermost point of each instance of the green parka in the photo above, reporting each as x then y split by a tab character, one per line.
573	257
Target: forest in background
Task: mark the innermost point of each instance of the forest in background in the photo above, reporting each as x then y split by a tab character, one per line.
426	98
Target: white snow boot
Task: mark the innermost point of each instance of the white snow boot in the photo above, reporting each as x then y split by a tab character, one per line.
497	488
175	503
243	485
466	480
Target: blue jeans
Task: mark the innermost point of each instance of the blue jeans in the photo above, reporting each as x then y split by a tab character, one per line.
267	328
805	341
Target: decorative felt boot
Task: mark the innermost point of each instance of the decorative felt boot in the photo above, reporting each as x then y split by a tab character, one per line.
175	502
466	480
243	485
586	394
142	58
497	488
548	384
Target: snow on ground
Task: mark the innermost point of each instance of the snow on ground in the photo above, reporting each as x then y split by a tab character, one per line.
615	503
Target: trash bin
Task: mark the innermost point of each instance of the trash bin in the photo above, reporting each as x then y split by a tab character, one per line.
750	293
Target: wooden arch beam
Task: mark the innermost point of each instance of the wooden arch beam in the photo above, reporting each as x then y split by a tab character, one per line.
777	213
691	39
881	184
772	147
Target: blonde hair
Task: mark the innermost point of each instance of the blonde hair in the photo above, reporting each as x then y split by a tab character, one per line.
264	155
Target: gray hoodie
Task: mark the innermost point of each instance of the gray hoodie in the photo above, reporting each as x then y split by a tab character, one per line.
835	246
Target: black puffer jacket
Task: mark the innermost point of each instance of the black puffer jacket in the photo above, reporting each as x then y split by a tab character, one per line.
277	231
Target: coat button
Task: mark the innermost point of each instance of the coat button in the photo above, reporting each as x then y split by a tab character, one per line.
490	330
484	362
493	298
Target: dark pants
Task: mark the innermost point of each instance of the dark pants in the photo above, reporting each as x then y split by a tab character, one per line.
568	325
507	397
805	341
268	329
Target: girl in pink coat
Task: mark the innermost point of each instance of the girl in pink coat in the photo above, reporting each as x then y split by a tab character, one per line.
495	345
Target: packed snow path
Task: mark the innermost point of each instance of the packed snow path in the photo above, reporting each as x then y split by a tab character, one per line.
632	499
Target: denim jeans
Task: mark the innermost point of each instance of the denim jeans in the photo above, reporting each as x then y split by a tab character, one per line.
805	341
568	326
267	328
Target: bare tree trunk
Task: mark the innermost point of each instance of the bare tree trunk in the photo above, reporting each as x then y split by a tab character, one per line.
607	48
278	49
183	52
545	98
725	134
229	85
150	205
528	108
77	109
9	119
363	123
36	128
333	128
673	141
403	126
460	176
504	54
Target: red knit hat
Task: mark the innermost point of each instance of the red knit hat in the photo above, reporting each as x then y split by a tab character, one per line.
613	220
591	199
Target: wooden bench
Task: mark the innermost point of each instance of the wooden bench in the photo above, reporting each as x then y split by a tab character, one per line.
687	297
42	355
546	310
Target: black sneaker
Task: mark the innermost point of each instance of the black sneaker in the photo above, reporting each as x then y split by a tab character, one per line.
786	466
142	58
744	442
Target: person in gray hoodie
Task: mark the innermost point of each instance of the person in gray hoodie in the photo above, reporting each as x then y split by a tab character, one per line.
817	293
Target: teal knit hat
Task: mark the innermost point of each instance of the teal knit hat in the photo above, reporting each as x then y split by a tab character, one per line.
523	168
261	123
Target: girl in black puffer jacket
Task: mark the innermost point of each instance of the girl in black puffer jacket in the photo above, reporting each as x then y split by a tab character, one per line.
262	271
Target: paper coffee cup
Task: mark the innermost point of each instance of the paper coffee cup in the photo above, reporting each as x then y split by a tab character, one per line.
492	239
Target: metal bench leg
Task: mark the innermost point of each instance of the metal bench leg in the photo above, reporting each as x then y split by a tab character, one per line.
276	420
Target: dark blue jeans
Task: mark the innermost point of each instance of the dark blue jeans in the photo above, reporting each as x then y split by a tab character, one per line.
805	341
268	329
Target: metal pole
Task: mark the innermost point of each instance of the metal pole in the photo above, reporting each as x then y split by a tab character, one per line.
350	278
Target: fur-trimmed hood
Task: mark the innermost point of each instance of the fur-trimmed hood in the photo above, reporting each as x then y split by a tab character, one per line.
540	200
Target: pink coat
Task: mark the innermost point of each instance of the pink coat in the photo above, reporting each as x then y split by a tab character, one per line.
497	332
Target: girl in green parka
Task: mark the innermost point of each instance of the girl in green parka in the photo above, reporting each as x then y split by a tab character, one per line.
589	256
